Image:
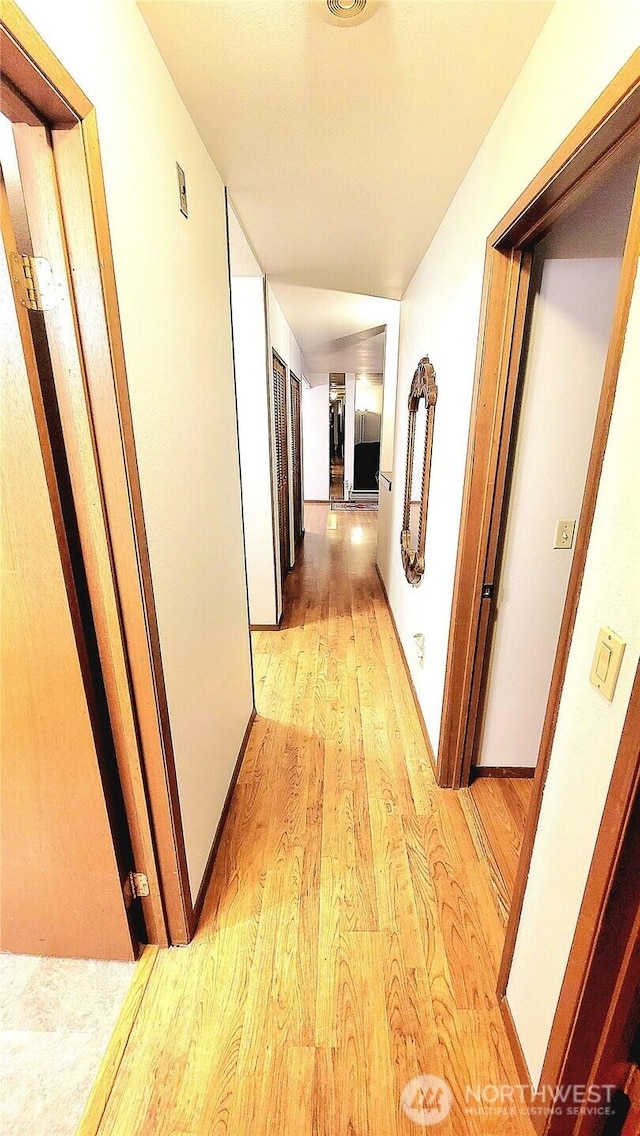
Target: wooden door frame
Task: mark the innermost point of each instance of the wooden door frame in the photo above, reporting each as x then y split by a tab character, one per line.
120	583
283	575
297	536
84	638
566	178
599	994
605	132
600	990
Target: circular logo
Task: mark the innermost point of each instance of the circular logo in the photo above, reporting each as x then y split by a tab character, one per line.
426	1100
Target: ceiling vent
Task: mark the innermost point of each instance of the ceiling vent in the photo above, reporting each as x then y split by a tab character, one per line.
346	9
346	13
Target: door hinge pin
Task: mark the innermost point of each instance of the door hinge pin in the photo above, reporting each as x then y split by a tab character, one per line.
35	284
487	591
138	885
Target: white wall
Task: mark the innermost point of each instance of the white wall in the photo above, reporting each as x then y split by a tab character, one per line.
173	291
571	324
250	352
388	539
315	430
589	727
581	47
390	371
281	337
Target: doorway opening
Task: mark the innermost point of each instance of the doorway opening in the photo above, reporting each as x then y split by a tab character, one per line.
355	424
337	413
49	642
605	139
368	429
66	370
574	283
575	276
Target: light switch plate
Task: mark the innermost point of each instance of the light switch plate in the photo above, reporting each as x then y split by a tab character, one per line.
607	658
182	191
564	534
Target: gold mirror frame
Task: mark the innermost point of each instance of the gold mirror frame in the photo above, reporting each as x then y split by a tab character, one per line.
423	385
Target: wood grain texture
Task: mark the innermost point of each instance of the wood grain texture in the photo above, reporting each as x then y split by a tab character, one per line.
138	611
281	434
502	321
350	936
598	133
60	883
92	1115
35	71
107	476
598	1009
501	806
295	407
37	76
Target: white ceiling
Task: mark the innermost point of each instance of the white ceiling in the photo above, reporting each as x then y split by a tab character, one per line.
342	146
337	331
355	323
365	357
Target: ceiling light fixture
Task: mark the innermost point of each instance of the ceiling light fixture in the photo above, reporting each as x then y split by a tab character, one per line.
346	13
346	9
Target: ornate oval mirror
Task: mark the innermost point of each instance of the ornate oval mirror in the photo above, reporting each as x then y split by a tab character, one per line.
422	407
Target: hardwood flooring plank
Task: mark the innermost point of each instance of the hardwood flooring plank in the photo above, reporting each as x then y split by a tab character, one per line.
352	929
500	805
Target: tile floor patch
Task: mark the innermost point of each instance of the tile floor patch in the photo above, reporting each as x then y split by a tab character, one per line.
58	1016
70	994
45	1080
15	972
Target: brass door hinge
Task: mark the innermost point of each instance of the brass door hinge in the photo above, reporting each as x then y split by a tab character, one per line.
33	281
136	885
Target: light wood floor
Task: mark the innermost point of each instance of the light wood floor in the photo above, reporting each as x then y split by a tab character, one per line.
355	920
497	809
336	488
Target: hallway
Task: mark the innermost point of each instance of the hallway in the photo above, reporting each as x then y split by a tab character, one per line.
352	930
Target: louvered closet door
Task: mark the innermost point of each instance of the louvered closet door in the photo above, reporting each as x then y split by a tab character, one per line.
296	463
282	464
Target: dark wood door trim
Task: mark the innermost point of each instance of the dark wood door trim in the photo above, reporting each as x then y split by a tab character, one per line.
75	745
605	949
277	608
279	378
34	75
608	129
571	172
605	408
295	403
598	1008
504	306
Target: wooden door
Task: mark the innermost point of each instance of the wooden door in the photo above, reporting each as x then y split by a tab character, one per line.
63	868
296	459
282	462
